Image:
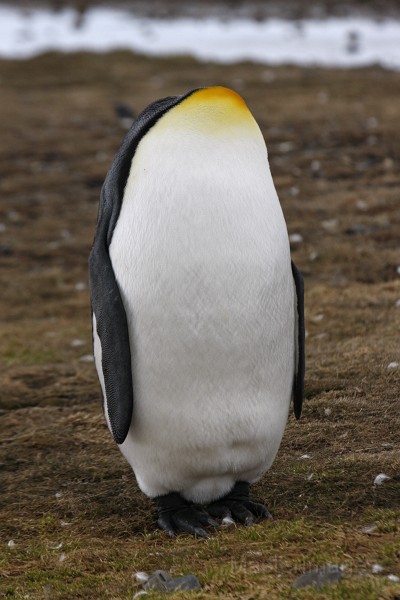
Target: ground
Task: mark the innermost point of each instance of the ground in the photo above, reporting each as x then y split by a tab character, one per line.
80	526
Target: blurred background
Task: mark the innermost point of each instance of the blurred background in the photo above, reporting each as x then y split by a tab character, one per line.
323	81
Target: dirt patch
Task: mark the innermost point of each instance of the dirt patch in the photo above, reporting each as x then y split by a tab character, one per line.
334	145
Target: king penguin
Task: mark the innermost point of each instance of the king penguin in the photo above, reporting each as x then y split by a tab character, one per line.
197	309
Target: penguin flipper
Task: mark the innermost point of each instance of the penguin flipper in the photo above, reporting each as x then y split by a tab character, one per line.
298	384
112	330
107	305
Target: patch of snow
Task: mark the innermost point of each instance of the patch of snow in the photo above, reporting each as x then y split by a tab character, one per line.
334	42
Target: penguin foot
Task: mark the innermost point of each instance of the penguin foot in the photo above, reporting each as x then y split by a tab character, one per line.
238	506
177	515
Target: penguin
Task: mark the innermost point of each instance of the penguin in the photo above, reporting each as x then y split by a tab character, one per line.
197	309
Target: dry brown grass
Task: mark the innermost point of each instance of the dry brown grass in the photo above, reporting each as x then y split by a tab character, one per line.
59	134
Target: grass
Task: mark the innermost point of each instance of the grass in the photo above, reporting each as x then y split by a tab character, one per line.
64	479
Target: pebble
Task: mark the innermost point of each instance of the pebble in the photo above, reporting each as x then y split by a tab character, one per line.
369	529
77	342
357	228
80	286
381	478
161	581
362	205
330	224
305	456
141	576
295	238
377	568
88	358
317	318
393	365
319	577
393	578
286	147
11	544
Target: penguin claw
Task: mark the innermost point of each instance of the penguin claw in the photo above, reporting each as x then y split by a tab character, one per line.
239	507
176	515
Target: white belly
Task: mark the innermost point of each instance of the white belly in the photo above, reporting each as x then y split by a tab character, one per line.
207	286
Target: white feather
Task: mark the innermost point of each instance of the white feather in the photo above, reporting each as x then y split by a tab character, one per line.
201	256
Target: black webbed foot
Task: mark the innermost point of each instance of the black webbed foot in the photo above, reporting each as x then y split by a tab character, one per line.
238	505
177	515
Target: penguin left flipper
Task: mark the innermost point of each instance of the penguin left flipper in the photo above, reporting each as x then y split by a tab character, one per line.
112	331
298	384
107	305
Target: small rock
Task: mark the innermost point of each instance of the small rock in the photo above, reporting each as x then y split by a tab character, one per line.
295	238
393	578
393	365
305	456
185	583
11	544
88	358
377	568
369	529
57	546
158	581
317	318
161	581
286	147
362	205
381	478
58	494
319	577
77	342
228	521
328	411
357	228
141	576
80	286
315	167
62	557
330	224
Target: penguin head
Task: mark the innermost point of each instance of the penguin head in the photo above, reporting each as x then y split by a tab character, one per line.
214	111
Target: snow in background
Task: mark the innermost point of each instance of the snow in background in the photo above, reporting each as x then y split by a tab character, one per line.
342	42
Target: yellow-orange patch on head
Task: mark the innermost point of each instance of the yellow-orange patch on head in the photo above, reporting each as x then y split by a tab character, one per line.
213	110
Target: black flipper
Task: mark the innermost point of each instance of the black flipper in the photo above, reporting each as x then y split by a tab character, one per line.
298	385
107	305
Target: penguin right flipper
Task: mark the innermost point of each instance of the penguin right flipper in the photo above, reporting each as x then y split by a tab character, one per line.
298	384
107	305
